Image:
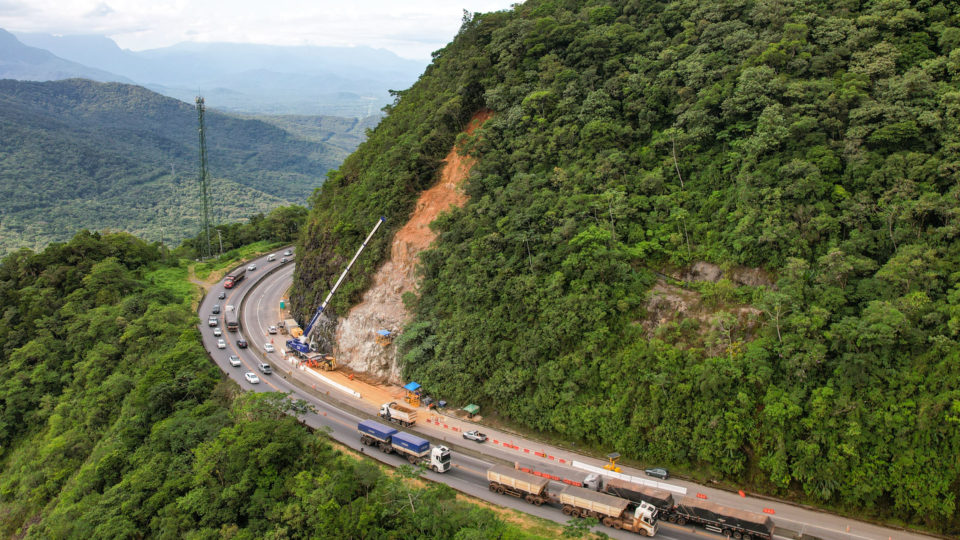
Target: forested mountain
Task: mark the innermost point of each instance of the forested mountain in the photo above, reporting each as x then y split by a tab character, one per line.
114	423
645	154
78	154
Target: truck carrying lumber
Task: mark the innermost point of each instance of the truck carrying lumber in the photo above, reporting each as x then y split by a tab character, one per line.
611	511
636	493
509	481
723	520
398	414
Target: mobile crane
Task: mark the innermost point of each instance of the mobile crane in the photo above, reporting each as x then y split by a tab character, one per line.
301	345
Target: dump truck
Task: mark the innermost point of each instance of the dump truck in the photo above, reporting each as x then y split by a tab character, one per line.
415	449
611	511
636	494
509	481
720	519
234	277
398	414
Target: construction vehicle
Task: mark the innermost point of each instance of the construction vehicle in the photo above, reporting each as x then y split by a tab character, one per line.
323	362
300	345
398	414
291	327
415	449
611	511
234	277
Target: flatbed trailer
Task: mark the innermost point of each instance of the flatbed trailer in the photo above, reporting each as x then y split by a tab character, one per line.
731	522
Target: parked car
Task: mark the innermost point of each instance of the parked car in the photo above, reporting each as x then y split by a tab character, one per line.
221	344
234	360
475	436
217	332
242	343
272	329
212	320
252	267
272	257
268	347
251	377
264	368
222	295
288	252
659	472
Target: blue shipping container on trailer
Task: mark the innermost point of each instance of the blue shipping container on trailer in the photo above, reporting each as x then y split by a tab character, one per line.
411	443
376	430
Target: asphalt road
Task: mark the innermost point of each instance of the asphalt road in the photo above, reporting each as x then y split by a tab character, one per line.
258	297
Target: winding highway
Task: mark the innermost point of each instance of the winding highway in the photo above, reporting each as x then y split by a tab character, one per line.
257	297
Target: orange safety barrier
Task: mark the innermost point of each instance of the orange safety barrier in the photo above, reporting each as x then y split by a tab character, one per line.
741	493
526	451
540	454
701	496
551	457
768	511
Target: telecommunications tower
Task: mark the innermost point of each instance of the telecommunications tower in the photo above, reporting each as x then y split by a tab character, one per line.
205	250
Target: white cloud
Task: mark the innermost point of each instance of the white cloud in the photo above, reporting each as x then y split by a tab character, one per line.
410	28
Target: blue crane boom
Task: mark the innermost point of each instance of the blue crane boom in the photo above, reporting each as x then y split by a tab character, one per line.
302	344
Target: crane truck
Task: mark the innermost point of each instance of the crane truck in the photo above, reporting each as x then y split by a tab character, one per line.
415	449
301	345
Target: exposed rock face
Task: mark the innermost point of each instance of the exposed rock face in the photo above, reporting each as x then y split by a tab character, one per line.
382	305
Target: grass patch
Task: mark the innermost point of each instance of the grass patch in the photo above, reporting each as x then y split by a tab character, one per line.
216	268
174	280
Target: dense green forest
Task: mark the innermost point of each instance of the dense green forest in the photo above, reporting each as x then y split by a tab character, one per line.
814	143
115	424
78	154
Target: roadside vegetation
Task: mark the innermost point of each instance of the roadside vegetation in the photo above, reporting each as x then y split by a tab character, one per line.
814	142
115	424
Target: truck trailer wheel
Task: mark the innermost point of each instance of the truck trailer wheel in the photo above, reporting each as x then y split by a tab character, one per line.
617	524
607	521
737	535
493	487
538	501
529	499
567	510
681	521
412	460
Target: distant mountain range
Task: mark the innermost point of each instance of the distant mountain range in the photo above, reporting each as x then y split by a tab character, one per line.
342	81
22	62
80	154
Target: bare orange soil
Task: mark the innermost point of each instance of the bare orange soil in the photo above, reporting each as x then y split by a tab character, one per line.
382	305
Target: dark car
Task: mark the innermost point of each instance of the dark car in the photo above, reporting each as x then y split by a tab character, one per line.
475	436
222	295
216	309
242	343
661	473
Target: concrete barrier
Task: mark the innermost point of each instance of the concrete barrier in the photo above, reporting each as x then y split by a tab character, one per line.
336	385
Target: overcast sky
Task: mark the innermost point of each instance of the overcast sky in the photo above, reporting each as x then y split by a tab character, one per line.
410	28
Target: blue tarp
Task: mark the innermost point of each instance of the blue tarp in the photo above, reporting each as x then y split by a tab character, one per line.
412	387
410	442
384	333
376	429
